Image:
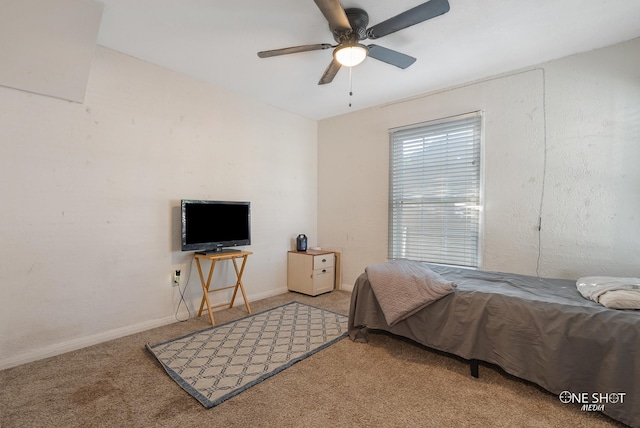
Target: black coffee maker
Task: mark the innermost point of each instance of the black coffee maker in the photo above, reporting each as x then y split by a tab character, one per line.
301	243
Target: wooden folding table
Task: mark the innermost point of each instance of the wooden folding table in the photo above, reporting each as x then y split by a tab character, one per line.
215	257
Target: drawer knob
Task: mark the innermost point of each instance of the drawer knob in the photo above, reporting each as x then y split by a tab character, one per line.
324	271
324	260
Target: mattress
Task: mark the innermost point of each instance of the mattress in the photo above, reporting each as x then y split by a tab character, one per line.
541	330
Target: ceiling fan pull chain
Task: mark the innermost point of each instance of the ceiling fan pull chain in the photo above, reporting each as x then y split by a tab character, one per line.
350	85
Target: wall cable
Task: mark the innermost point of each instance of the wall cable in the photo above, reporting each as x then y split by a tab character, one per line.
544	168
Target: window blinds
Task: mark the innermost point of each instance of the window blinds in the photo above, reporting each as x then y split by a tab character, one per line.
434	197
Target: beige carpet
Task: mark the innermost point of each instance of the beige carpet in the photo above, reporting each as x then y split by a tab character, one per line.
385	383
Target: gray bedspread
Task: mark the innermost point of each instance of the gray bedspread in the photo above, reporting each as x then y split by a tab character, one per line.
540	330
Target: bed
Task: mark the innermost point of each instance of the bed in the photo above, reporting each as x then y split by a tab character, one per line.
541	330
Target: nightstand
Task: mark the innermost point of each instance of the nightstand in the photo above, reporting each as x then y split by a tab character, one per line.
311	272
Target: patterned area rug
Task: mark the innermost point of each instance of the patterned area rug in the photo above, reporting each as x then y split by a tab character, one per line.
217	363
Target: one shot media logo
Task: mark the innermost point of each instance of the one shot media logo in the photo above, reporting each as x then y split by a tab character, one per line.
594	401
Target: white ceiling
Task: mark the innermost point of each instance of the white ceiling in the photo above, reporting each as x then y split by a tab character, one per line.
217	42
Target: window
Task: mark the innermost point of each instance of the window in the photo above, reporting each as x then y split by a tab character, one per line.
434	195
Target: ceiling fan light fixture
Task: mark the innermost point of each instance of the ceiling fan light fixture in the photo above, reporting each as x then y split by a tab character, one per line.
351	54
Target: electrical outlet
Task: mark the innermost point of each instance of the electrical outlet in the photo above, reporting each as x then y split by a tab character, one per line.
176	277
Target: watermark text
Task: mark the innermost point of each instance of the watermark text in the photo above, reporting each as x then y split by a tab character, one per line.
592	402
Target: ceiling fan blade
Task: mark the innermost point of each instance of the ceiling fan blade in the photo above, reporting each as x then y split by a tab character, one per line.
390	56
330	72
334	14
418	14
293	49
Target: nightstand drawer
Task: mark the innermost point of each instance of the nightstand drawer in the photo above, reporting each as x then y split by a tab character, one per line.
323	280
323	261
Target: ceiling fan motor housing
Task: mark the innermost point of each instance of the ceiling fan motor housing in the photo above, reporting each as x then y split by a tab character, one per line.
358	19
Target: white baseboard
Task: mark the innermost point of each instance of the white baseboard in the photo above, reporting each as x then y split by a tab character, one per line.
82	342
346	287
260	296
94	339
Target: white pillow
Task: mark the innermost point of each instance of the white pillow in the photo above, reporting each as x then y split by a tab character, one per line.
621	299
612	292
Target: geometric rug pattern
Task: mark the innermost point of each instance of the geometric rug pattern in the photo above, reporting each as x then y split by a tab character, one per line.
221	361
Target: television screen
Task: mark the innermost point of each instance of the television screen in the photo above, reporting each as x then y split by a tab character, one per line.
209	226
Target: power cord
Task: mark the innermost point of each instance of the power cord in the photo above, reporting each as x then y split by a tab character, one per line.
544	168
182	292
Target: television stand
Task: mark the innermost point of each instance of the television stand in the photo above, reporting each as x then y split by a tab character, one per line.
214	257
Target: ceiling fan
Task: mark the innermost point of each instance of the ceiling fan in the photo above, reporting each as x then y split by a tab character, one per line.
349	28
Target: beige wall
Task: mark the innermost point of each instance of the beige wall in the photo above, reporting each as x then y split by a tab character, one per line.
580	112
90	195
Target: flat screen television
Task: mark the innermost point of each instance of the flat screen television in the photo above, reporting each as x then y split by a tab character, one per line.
212	226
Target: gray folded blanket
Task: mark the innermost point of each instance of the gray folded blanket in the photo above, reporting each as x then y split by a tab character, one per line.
403	287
